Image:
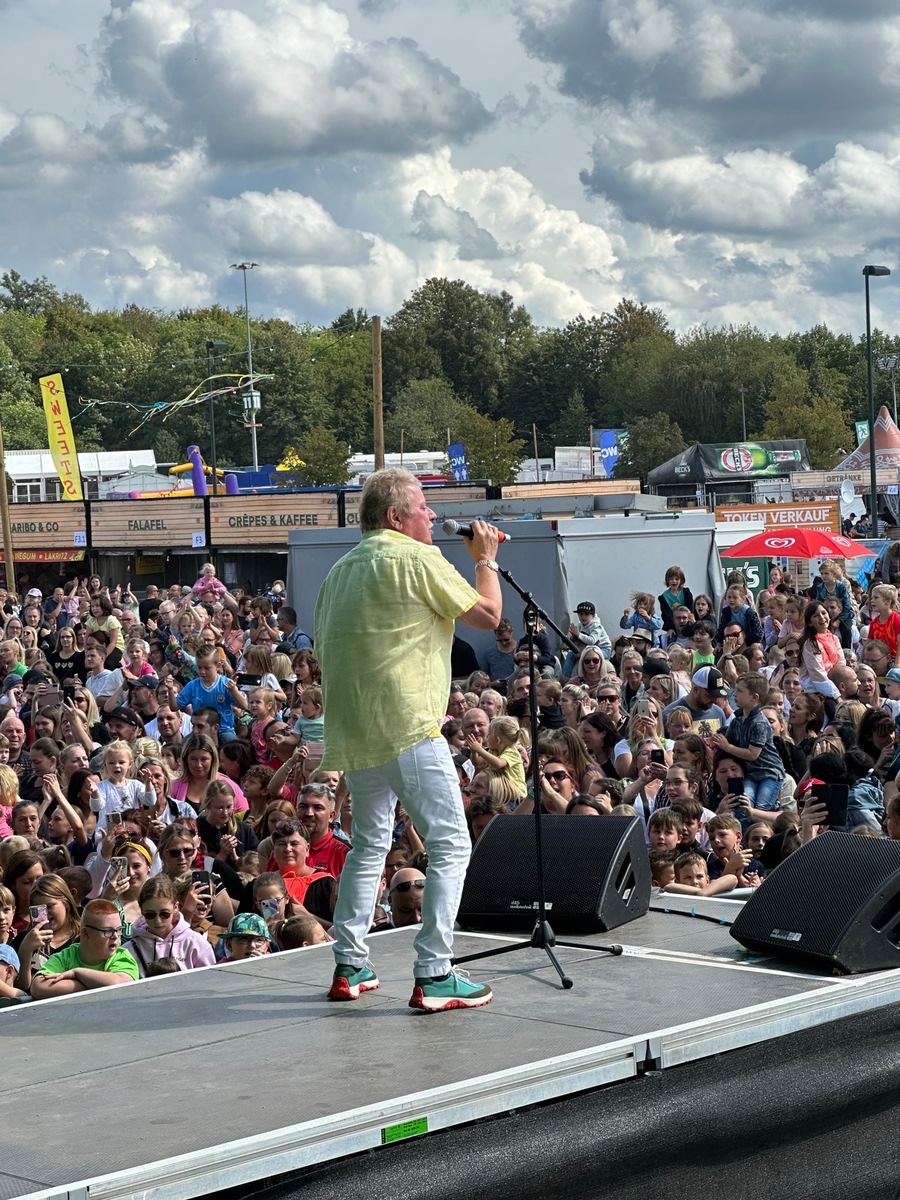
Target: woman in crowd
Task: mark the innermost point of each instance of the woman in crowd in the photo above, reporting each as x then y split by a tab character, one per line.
565	745
199	767
315	890
645	789
66	661
162	932
22	872
640	726
591	669
632	678
600	736
575	703
231	636
179	852
59	931
805	720
820	651
155	775
878	739
124	890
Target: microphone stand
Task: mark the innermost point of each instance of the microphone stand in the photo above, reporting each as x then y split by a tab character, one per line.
542	936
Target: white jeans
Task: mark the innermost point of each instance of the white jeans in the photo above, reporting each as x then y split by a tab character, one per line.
423	779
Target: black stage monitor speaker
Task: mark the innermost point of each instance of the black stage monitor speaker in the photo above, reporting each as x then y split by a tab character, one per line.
596	874
834	905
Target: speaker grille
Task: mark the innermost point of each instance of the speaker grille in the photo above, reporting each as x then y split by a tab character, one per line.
835	902
596	874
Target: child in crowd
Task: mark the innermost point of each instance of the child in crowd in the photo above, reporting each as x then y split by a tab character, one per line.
749	738
692	877
263	709
548	695
9	969
757	836
885	623
675	595
665	829
500	754
642	616
247	936
680	664
588	632
679	722
117	789
727	856
703	654
737	611
704	609
208	583
135	664
773	607
7	914
830	586
792	625
311	722
692	812
662	868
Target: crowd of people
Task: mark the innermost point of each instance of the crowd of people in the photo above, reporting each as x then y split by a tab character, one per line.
164	803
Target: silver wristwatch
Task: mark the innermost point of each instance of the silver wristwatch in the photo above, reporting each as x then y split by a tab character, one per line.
488	562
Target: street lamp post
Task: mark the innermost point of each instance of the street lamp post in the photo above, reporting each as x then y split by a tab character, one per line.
251	396
873	478
210	347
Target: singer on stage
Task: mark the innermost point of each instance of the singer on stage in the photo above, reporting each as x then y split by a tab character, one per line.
383	632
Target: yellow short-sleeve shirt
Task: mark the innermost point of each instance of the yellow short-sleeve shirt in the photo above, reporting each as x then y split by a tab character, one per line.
383	634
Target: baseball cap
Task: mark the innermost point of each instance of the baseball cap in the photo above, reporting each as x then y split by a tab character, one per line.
124	714
35	592
710	680
9	956
248	925
641	633
585	607
655	666
893	675
147	681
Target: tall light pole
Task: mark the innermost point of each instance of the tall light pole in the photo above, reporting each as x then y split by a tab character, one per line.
251	396
210	347
873	478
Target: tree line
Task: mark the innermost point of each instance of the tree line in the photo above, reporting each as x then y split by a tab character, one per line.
457	363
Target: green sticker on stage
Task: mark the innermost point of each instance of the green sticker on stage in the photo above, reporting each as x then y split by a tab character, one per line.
406	1129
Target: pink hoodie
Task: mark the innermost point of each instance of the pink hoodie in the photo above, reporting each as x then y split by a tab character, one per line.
189	949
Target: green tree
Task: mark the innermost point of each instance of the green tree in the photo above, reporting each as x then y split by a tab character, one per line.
423	411
820	420
574	425
492	450
324	459
651	441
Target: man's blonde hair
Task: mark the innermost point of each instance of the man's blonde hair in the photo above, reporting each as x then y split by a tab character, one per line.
389	488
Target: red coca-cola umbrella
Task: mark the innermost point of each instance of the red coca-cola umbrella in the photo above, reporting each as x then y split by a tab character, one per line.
797	543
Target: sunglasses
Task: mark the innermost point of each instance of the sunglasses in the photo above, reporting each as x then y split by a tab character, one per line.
162	915
559	776
185	851
418	884
591	662
609	698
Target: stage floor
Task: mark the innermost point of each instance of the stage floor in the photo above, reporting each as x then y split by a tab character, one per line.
188	1084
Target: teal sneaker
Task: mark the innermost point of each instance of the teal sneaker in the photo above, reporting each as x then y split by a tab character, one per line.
453	991
349	981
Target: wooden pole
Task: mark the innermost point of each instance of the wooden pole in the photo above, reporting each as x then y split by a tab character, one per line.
4	519
537	465
377	397
402	433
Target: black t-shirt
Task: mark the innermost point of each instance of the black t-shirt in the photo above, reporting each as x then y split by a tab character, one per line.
146	607
67	668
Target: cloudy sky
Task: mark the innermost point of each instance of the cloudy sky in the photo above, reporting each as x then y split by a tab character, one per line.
727	162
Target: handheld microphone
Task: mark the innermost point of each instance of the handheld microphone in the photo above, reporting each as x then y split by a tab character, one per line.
466	531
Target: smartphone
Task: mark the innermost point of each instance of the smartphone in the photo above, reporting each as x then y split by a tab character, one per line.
248	680
269	908
642	709
658	756
835	797
735	787
113	819
37	913
119	867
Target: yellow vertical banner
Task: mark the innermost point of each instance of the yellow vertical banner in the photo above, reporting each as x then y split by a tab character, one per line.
61	438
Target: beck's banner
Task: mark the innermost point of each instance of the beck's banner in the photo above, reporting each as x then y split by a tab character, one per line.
61	438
